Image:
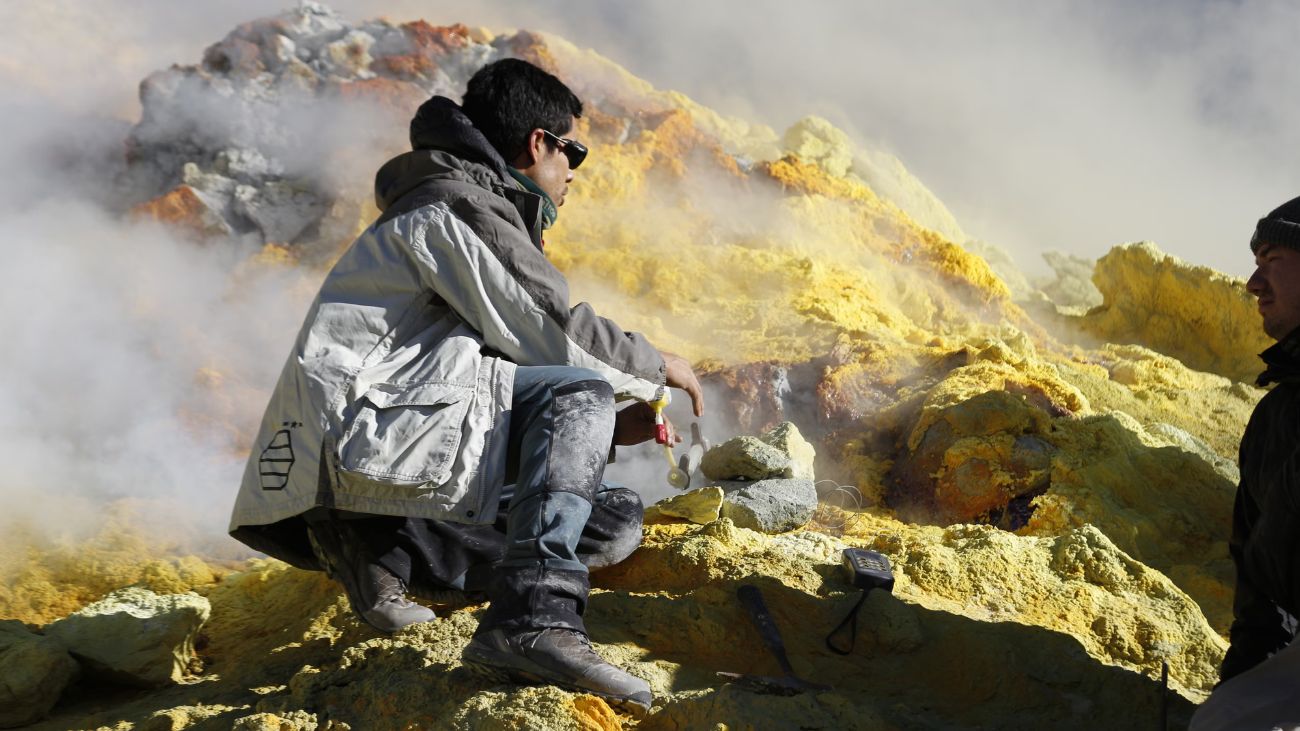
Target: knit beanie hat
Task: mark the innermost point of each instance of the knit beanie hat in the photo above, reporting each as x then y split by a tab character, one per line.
1280	228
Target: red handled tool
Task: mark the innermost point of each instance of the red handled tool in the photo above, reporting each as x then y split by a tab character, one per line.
677	477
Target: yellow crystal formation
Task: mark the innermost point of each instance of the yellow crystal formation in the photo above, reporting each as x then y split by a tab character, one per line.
1203	318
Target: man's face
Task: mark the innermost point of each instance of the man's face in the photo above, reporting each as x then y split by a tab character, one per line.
550	169
1276	282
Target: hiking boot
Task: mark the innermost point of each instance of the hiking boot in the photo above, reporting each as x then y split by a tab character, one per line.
376	595
561	657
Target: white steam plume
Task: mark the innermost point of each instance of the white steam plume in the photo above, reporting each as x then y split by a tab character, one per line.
110	329
1047	125
1044	125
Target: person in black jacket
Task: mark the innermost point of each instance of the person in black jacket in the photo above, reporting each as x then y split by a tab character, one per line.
1256	674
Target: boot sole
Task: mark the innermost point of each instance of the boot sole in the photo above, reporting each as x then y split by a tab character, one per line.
391	627
484	667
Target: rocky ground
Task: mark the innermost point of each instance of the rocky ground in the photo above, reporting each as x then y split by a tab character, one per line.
1048	464
977	634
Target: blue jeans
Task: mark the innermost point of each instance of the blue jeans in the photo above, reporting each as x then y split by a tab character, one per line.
561	429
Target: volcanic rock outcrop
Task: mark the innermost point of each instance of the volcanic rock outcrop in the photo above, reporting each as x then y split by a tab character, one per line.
1072	287
1191	313
1056	510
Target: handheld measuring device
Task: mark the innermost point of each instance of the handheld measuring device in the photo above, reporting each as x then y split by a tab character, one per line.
866	570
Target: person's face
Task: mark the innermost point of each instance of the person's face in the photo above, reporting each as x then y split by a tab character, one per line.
550	168
1276	283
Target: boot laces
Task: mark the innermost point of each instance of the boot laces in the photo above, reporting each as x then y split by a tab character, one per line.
389	588
568	639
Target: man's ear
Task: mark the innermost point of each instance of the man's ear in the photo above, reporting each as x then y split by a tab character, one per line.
533	150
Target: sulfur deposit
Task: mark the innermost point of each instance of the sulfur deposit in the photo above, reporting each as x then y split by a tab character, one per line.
1052	483
1191	313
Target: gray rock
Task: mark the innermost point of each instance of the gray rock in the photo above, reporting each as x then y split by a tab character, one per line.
786	437
135	636
34	670
349	56
279	209
770	506
744	458
311	21
211	183
279	50
1189	443
246	166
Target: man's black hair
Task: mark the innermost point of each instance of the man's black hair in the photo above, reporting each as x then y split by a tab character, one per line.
508	99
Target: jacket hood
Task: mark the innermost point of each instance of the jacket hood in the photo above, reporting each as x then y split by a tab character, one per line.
439	126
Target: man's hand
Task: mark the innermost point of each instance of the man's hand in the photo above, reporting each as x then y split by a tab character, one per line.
636	424
681	376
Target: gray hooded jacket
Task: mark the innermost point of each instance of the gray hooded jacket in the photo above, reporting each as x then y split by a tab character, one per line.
396	397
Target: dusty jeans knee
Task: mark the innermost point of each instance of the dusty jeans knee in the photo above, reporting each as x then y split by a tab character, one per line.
433	556
561	428
613	531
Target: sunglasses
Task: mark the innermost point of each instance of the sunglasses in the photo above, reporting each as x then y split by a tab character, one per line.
572	149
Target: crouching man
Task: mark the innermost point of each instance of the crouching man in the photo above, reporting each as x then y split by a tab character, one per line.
1260	676
445	417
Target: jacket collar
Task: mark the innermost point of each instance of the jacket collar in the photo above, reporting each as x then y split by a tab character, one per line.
447	145
549	211
1281	360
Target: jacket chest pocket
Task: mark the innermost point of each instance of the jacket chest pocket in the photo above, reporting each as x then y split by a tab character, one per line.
406	434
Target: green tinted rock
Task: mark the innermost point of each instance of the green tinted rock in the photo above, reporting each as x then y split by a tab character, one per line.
744	458
135	636
34	670
786	438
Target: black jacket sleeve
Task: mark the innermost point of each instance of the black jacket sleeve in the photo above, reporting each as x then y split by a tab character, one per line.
1263	546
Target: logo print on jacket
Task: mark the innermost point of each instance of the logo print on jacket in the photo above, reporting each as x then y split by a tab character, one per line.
276	461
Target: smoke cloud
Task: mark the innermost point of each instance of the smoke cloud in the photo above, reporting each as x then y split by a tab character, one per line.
121	347
1041	125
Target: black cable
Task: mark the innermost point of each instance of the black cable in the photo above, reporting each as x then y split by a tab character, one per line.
852	621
